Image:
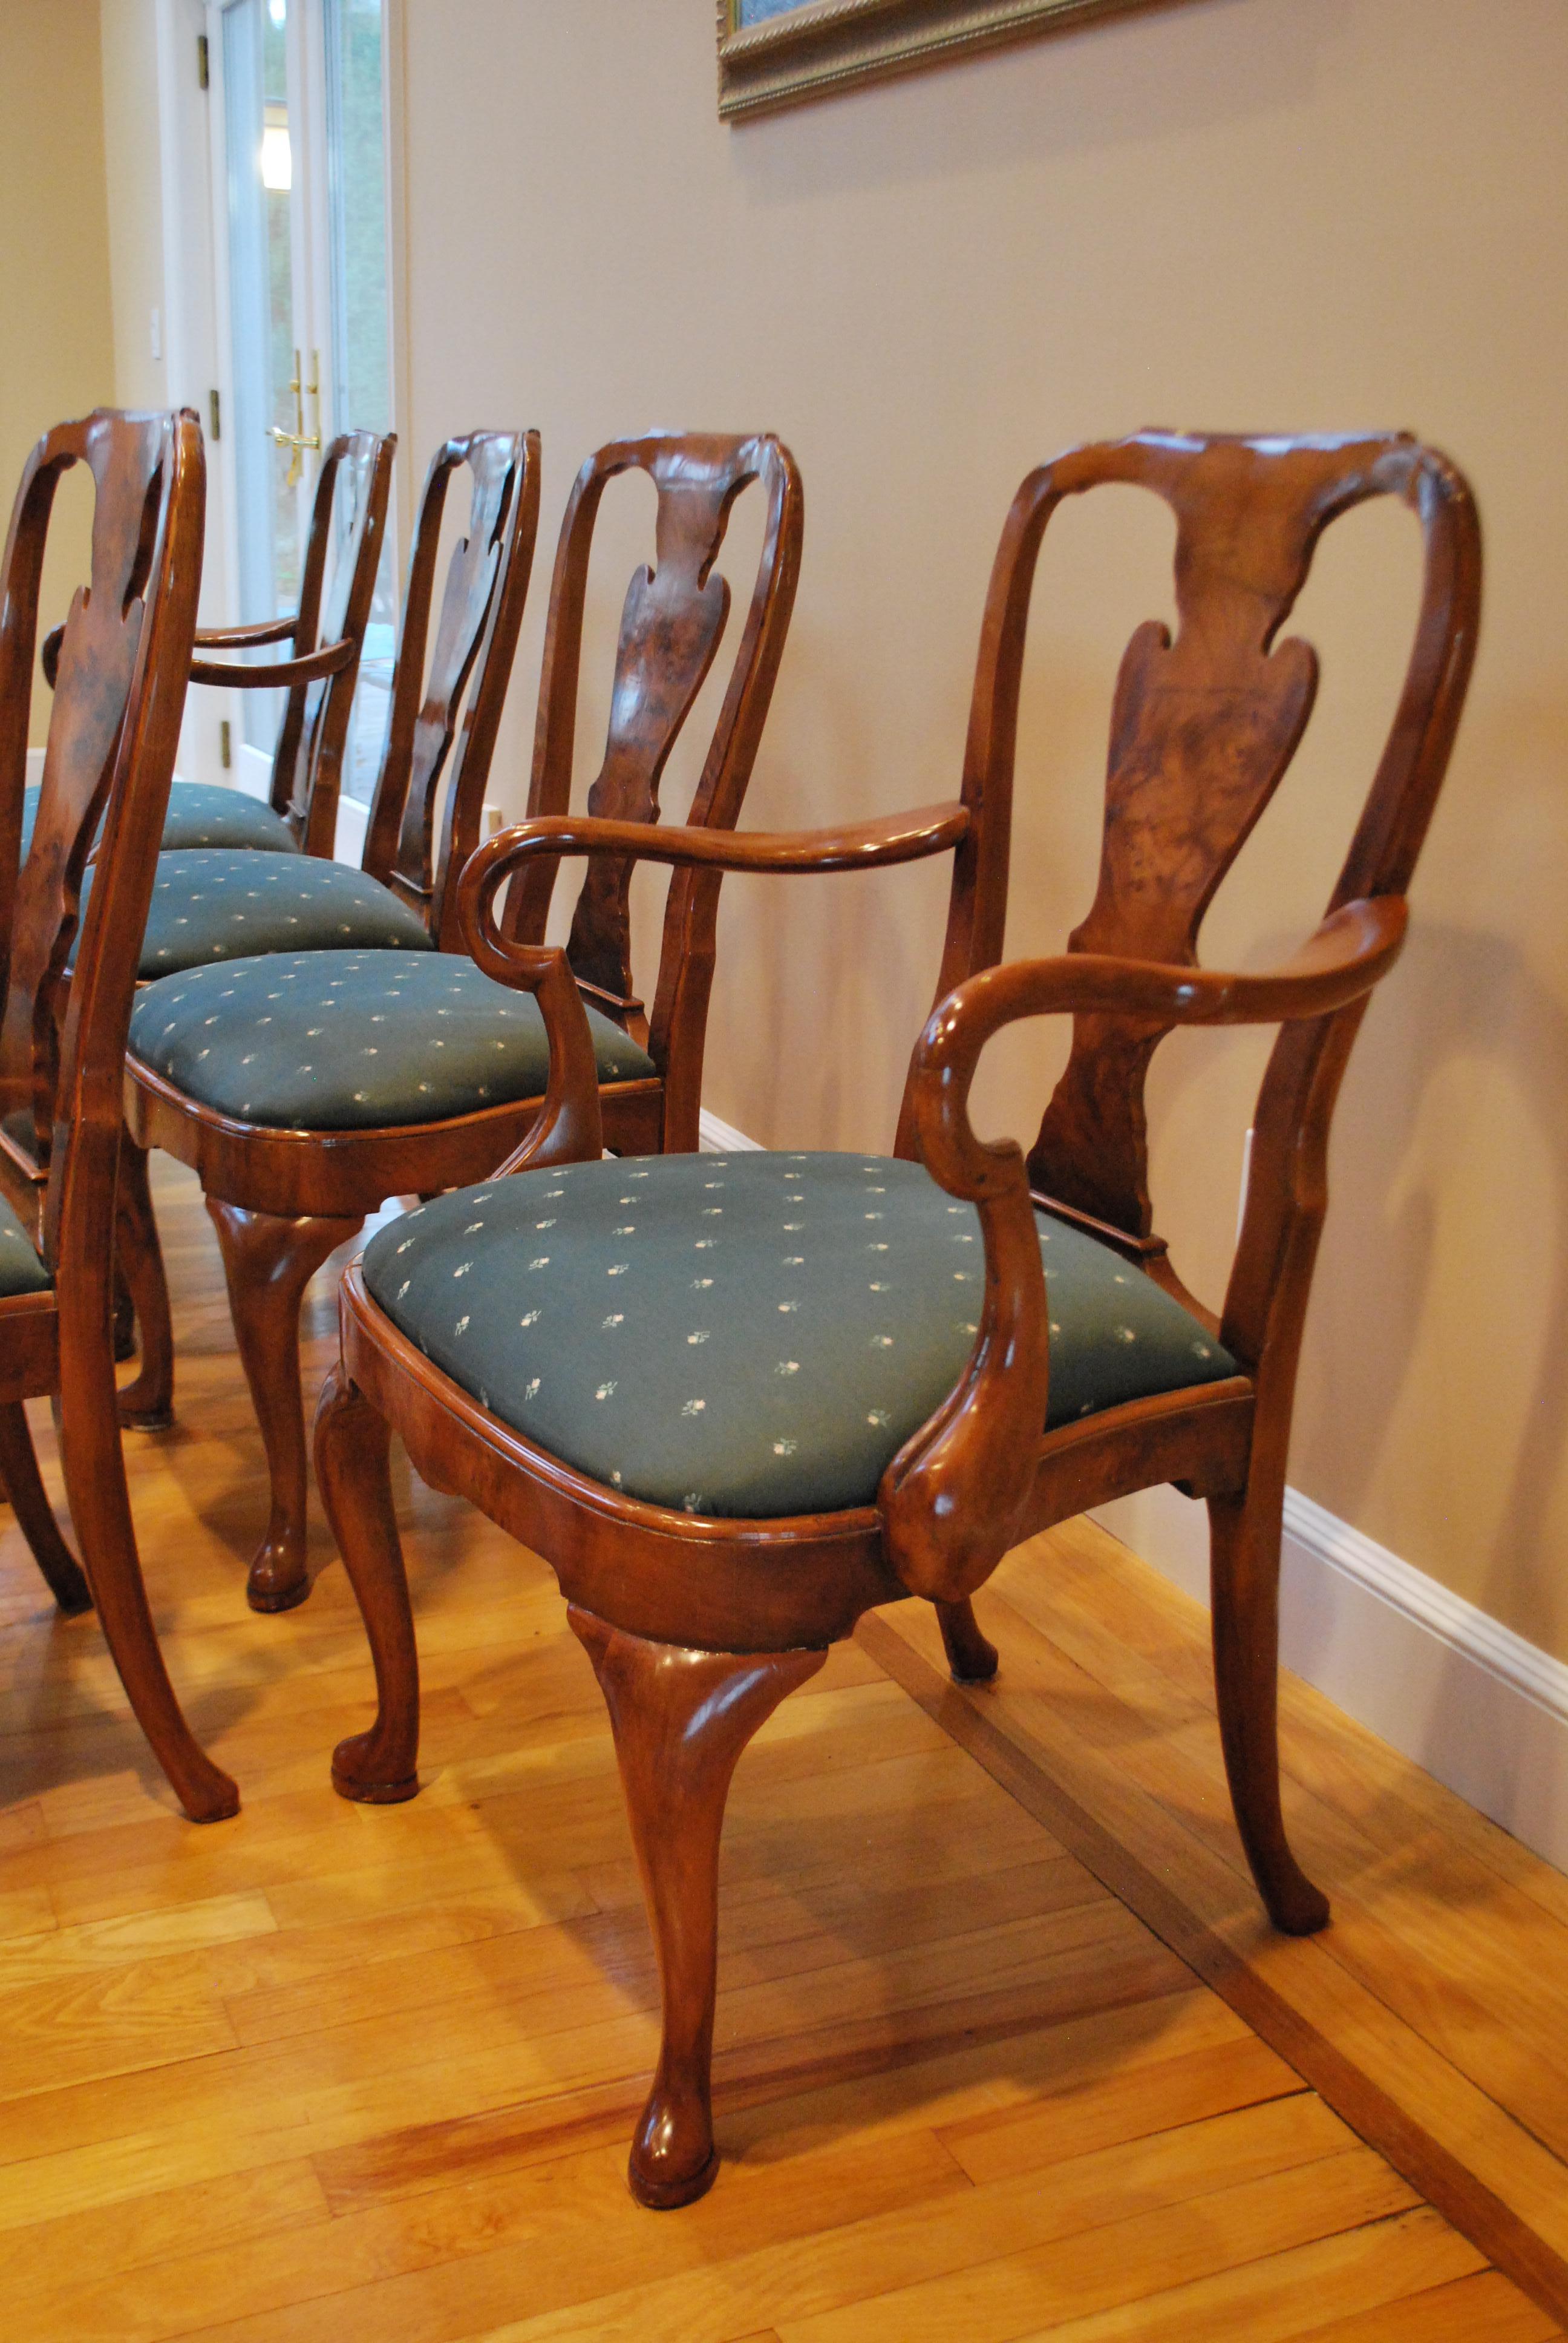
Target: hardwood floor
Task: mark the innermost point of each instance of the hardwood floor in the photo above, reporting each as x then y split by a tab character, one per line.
1002	2049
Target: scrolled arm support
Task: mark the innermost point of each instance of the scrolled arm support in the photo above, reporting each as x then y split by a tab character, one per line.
955	1497
567	1128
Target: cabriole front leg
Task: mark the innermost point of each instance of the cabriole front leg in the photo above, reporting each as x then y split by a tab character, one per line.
681	1720
147	1404
20	1481
267	1263
1244	1578
972	1657
353	1454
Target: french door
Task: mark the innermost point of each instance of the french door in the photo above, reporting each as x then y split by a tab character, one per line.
298	121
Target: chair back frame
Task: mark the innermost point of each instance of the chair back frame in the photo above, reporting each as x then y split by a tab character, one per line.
462	699
140	559
123	666
1203	728
307	766
673	618
323	666
1202	731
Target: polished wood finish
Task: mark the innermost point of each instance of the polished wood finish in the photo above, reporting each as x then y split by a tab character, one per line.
267	1263
447	712
352	1461
121	673
330	2075
681	1719
285	1185
322	667
673	618
1203	729
21	1484
146	1404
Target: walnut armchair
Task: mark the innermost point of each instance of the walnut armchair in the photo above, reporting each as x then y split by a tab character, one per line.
306	1089
822	1382
122	664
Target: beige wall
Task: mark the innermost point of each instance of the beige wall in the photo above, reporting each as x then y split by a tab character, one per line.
1227	212
129	103
57	347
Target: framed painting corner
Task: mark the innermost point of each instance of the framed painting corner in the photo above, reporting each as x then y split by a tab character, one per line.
774	54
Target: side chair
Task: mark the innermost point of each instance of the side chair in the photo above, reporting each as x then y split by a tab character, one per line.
123	666
319	672
736	1401
306	1089
446	710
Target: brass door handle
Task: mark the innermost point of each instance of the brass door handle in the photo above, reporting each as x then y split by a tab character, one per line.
298	440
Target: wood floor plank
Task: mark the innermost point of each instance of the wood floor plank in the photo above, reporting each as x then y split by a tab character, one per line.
1111	2262
850	2272
1282	2298
476	2250
1485	2308
1158	2096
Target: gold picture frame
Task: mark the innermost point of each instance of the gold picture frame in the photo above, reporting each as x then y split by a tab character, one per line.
809	48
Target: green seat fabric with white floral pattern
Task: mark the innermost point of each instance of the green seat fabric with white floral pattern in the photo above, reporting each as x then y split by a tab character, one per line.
203	813
227	906
21	1271
748	1335
355	1041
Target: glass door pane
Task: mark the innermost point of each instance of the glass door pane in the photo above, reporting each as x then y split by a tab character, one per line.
264	326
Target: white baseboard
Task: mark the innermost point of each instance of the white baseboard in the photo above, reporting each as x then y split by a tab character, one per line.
1478	1706
721	1138
1480	1709
353	822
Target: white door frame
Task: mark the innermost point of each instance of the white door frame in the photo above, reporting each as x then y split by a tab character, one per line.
196	309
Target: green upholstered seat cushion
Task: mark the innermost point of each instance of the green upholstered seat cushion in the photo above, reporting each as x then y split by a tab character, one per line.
236	902
203	813
748	1335
21	1271
353	1041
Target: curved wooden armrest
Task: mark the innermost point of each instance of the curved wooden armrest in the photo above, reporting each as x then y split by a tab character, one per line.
236	639
1344	958
327	660
867	846
232	638
955	1497
863	846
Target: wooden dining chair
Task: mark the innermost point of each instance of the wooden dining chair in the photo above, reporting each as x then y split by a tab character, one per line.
123	667
446	708
224	904
735	1401
305	1089
319	672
